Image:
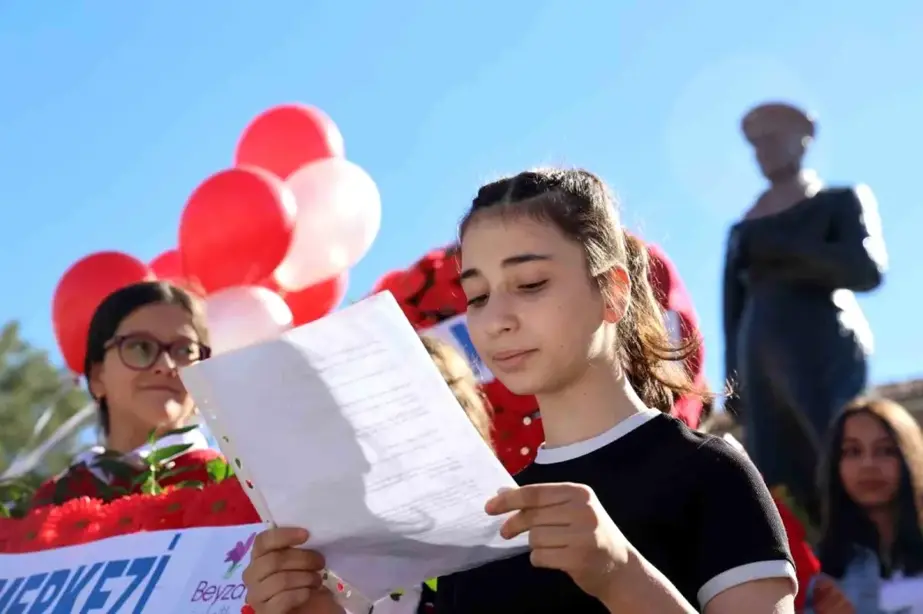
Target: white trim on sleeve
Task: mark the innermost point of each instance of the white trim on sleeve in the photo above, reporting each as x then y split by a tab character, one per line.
761	570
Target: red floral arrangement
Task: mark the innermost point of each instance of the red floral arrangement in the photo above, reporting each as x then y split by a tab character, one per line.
79	507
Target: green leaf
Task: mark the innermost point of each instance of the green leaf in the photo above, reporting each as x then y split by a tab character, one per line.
14	483
175	472
180	431
13	491
191	484
142	478
165	453
152	436
151	487
5	512
218	469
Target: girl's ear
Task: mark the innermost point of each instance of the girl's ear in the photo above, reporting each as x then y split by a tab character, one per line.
95	383
620	295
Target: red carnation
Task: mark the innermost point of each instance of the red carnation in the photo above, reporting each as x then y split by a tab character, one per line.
125	515
7	528
168	510
27	533
76	522
219	505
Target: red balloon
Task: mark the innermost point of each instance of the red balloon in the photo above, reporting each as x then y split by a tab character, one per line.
80	291
168	266
285	138
236	228
316	301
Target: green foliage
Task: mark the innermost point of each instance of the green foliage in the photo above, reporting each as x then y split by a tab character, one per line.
29	385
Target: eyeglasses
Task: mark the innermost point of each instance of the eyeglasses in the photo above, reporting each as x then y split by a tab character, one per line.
140	352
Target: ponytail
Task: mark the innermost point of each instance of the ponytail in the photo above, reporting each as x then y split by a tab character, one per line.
653	363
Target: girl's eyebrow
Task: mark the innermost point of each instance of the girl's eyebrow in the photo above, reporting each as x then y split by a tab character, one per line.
511	261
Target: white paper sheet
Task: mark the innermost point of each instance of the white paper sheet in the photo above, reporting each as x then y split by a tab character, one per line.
345	427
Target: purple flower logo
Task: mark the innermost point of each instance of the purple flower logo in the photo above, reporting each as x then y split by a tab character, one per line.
235	556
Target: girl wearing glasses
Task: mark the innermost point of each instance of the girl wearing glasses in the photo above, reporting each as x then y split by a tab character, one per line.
138	339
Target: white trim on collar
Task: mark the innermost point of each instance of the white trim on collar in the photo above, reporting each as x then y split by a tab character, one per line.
548	456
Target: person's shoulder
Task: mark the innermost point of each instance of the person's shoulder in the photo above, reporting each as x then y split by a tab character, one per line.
717	457
674	436
663	446
709	459
859	196
73	482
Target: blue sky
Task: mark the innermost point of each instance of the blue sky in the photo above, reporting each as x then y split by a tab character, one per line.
111	115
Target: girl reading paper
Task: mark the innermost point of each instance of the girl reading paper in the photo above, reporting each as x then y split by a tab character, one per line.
626	509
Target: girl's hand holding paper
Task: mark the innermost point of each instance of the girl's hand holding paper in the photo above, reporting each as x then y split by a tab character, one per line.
284	579
568	530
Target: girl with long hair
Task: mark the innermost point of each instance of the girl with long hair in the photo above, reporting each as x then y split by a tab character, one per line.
872	507
626	509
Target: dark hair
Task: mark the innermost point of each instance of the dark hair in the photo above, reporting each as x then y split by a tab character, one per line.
580	205
845	524
122	303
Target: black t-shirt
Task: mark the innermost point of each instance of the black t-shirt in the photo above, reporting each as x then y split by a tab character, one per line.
694	507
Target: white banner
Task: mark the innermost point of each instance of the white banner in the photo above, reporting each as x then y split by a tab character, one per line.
193	571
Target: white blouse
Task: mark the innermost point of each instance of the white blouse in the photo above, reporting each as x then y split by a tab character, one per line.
900	595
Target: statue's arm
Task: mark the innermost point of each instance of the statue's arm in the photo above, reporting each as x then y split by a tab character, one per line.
854	258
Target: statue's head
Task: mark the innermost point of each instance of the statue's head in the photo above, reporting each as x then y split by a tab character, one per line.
780	135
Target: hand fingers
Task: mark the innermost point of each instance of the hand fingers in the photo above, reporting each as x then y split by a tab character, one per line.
277	539
537	495
287	601
280	583
531	519
292	559
549	537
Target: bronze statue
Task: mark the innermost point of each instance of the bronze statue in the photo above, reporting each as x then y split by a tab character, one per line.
796	341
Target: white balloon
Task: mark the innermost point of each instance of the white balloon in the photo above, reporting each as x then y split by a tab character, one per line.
339	215
244	315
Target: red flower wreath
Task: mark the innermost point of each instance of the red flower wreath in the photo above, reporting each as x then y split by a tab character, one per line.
76	522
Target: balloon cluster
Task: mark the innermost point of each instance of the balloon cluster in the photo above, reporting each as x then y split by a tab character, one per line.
268	242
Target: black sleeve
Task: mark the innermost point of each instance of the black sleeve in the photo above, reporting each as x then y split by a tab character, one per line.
740	537
444	598
732	308
854	257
